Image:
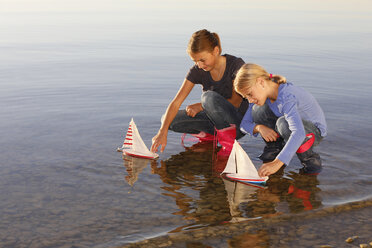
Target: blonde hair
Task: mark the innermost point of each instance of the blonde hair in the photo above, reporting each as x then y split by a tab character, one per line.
248	74
203	40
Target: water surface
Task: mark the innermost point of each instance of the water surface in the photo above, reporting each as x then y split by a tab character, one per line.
73	74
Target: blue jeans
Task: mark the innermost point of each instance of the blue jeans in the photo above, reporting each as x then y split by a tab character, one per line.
217	112
263	115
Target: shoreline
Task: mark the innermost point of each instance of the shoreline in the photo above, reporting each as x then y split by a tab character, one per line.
311	229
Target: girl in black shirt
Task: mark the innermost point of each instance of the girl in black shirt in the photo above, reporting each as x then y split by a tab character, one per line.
220	109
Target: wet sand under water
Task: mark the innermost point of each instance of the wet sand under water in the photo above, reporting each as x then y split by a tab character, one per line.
327	227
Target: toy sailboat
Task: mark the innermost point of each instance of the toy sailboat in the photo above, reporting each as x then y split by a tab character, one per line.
239	167
133	144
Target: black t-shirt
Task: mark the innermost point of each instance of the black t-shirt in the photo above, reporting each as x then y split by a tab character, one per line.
225	85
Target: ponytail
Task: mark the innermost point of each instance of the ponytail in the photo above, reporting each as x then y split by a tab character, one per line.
278	79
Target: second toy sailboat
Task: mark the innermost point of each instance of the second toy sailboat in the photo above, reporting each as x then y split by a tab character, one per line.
239	167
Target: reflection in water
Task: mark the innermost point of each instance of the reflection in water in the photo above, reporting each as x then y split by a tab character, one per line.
134	167
257	239
205	198
298	191
197	191
238	193
292	193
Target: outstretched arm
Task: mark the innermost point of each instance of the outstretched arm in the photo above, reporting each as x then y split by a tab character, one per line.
160	139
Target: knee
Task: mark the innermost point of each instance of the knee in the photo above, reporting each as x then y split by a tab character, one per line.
177	121
209	98
282	128
259	113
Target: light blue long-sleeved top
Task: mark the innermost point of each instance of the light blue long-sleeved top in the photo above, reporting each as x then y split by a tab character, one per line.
295	104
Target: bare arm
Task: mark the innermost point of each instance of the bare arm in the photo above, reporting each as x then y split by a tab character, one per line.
160	139
194	109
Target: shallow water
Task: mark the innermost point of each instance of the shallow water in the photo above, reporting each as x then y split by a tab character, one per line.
72	75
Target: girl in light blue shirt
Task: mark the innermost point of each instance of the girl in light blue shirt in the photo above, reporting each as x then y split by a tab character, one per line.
286	116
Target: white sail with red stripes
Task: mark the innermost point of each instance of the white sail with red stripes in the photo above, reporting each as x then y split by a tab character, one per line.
239	167
133	144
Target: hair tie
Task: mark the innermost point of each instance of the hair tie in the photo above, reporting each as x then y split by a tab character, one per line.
271	76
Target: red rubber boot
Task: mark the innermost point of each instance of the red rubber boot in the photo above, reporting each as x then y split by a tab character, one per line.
226	138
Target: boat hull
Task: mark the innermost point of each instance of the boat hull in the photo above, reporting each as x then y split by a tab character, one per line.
140	155
245	179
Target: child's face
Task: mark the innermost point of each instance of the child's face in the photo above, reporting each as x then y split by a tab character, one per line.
255	94
204	60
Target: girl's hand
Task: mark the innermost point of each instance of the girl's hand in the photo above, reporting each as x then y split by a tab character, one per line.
235	99
160	139
268	134
193	109
270	168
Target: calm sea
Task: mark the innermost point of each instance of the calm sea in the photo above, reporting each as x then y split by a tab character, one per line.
73	74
